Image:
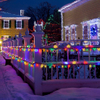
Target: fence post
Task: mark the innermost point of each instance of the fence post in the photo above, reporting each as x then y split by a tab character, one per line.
26	38
38	59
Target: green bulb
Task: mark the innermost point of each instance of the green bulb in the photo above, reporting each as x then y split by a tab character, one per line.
93	65
86	49
94	49
28	46
51	49
65	66
49	66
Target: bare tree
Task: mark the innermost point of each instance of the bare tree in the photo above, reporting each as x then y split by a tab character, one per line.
44	10
30	12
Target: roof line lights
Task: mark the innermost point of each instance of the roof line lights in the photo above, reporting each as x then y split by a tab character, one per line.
69	5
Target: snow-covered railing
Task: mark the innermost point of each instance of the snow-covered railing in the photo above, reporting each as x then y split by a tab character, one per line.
43	65
70	62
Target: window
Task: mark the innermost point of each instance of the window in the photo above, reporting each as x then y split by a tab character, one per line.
18	24
6	24
67	33
85	32
73	32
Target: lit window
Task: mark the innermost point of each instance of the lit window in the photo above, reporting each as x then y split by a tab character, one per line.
18	24
6	24
73	32
67	33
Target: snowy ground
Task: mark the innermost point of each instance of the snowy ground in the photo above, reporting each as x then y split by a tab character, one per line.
12	87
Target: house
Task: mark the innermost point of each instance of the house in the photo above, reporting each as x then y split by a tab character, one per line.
11	24
80	20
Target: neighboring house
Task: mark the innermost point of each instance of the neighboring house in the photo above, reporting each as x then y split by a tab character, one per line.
80	20
11	25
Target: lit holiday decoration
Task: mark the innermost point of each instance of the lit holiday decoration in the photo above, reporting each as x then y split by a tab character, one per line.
52	30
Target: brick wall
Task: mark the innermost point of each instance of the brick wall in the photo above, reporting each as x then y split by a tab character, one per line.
84	12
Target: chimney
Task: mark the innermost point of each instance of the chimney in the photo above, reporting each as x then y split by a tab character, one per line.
21	12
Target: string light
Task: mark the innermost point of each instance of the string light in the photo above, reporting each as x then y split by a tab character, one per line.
37	65
65	66
65	49
32	65
85	62
94	49
43	50
83	49
54	66
93	65
90	66
74	62
68	66
98	49
42	65
68	46
55	46
45	66
62	66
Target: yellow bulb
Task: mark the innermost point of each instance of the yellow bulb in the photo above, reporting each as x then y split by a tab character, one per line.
74	62
68	46
43	50
98	49
62	66
55	46
90	66
45	66
28	49
83	49
42	65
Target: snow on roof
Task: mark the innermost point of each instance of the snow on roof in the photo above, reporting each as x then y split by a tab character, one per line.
6	15
72	5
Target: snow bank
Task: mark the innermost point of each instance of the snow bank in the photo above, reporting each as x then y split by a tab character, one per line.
12	87
21	91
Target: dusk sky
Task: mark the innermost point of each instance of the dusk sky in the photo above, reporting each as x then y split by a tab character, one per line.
14	6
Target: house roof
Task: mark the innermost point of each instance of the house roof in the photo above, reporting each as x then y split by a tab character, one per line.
6	15
72	5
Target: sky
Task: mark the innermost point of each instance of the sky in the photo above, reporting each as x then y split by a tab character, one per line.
14	6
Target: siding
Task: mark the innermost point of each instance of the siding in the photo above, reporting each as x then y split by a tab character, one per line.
13	31
87	11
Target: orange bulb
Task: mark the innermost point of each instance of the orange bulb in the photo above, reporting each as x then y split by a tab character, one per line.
34	46
32	50
40	50
68	66
76	49
32	65
47	50
85	62
37	65
65	49
54	66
